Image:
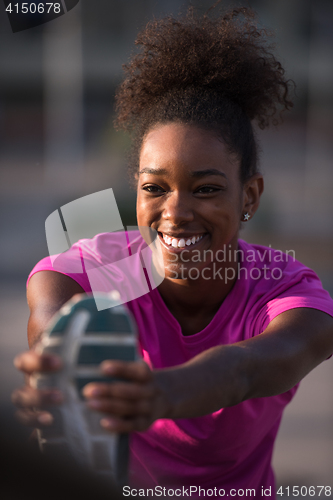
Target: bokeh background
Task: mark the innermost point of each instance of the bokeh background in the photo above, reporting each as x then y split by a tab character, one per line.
57	143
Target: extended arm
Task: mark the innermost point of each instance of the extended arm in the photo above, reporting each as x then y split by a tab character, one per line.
47	292
269	364
292	345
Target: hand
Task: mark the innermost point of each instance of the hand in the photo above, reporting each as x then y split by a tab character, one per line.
132	405
27	398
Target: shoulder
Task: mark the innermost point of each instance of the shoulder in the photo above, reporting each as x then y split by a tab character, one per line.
109	246
55	279
259	254
276	282
274	267
87	254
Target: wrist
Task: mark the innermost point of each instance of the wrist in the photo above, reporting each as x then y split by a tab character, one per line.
165	384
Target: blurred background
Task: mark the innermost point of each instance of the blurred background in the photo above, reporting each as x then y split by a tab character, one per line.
57	143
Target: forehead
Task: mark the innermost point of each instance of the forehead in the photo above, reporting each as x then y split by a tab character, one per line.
186	145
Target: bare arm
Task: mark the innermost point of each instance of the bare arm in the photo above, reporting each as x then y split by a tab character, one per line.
271	363
47	292
292	345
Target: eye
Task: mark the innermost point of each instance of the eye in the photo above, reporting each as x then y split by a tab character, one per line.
153	189
208	189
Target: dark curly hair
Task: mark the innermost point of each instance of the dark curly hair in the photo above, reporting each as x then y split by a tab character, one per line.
217	73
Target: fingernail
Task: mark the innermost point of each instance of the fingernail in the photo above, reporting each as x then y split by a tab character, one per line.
108	367
45	419
92	393
108	423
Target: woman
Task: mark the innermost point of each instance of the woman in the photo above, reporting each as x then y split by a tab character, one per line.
233	327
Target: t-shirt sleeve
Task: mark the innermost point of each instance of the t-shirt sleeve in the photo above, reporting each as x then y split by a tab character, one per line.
304	290
105	253
72	262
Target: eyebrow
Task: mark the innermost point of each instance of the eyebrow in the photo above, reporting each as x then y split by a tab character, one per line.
153	171
209	171
196	174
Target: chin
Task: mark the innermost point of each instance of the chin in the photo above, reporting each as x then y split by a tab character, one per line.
180	272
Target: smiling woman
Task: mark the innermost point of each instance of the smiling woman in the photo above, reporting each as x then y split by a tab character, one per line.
233	328
190	205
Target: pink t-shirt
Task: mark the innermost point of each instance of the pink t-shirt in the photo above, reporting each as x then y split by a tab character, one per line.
231	448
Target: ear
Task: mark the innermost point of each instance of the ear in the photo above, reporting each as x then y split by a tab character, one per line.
252	190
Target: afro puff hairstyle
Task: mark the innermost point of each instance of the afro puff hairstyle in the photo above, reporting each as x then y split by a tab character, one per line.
216	73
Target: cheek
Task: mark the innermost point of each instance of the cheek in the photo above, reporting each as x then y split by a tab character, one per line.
225	218
146	211
223	211
140	210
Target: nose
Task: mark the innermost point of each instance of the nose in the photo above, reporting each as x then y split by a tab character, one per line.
178	209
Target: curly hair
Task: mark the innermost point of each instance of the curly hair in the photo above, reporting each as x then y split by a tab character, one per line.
216	73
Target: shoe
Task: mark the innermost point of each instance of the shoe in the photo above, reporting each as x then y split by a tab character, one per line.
83	337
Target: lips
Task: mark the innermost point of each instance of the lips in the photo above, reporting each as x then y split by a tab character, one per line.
174	242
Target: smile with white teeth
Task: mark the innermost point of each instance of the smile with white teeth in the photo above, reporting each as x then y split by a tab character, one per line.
181	242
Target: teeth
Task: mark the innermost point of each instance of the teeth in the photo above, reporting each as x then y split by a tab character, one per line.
180	243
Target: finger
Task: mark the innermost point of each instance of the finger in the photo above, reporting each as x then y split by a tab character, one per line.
114	424
32	418
28	397
30	362
136	370
123	390
121	407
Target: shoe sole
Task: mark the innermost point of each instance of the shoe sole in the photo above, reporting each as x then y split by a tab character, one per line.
83	337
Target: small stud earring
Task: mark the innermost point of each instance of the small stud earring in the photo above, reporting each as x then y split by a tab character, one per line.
246	216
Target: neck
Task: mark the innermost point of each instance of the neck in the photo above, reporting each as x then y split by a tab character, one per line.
198	297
